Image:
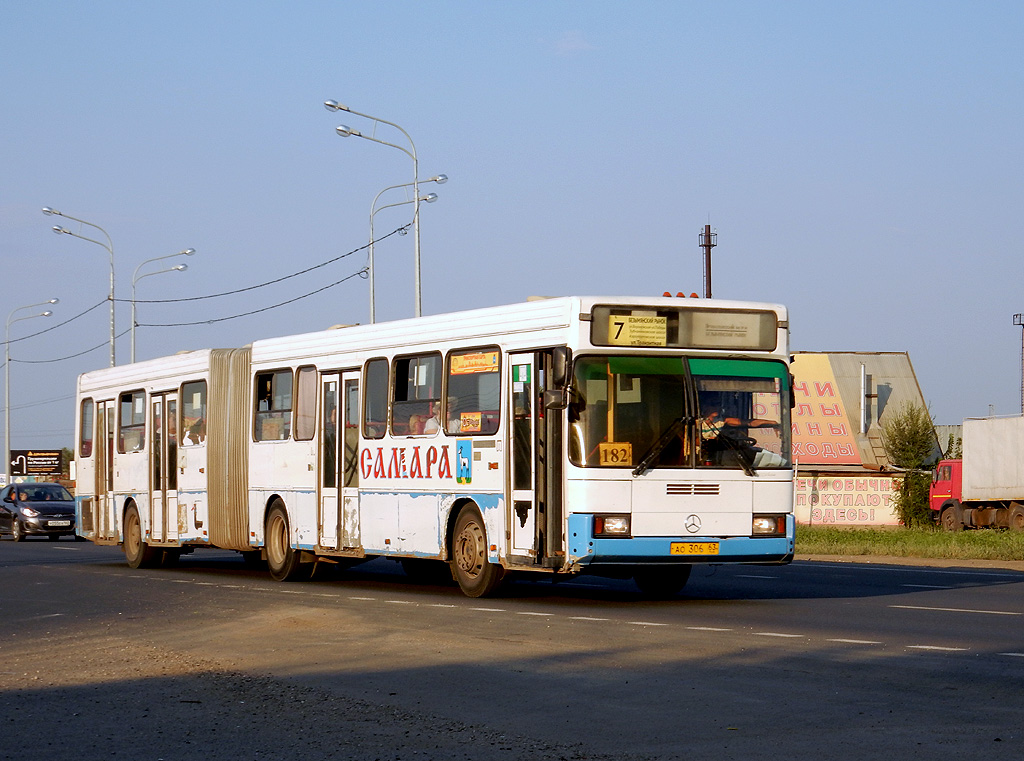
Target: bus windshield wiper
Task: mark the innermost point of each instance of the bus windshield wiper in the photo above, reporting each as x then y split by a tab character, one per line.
658	446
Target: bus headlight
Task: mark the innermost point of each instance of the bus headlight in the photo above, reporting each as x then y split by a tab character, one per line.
611	525
768	525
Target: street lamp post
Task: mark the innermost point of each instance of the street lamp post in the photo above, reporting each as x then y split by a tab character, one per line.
109	245
7	374
136	277
440	179
344	131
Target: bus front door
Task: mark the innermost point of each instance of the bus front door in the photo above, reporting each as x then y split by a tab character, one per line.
536	505
163	469
339	461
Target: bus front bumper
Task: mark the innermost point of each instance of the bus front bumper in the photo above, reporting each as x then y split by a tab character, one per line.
588	551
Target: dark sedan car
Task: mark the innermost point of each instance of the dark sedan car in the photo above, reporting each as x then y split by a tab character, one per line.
43	509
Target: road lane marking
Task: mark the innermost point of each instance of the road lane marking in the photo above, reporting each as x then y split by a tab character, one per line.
708	629
926	586
645	623
752	576
1013	655
531	613
489	610
855	641
399	602
937	648
777	634
587	618
958	610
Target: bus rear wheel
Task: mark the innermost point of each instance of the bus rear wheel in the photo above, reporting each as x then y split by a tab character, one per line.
1015	517
475	575
662	582
282	559
136	551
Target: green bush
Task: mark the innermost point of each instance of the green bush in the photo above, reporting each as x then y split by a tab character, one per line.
910	444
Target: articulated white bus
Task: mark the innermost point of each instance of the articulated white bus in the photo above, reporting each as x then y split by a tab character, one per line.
624	437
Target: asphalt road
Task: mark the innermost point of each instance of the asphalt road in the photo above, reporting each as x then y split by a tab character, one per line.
213	660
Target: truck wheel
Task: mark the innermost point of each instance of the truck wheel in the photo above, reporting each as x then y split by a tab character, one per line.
1015	518
951	519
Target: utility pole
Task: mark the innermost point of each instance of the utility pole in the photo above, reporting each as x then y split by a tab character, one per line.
708	240
1018	319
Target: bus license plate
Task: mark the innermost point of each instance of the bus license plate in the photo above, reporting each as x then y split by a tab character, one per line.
694	548
58	523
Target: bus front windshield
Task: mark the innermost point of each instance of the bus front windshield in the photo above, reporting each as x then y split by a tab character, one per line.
678	412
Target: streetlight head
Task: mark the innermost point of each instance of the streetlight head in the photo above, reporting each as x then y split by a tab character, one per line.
333	105
53	301
188	251
429	198
58	229
48	211
180	267
47	313
345	131
441	179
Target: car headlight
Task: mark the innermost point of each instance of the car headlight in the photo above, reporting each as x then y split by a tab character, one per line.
611	525
28	512
768	525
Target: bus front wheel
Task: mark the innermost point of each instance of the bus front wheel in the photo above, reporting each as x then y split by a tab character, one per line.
475	575
136	551
282	558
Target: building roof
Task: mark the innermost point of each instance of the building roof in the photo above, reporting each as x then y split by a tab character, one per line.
843	402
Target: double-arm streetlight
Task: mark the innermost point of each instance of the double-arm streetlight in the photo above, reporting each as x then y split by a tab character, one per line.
440	179
109	245
344	131
7	374
136	277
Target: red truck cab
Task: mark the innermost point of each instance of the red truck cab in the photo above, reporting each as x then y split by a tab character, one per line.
946	489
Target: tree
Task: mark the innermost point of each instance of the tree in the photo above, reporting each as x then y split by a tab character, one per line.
954	448
911	445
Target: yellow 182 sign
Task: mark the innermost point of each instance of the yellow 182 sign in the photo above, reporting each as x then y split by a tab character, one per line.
615	453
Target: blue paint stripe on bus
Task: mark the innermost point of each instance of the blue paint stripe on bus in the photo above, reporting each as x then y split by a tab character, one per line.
586	549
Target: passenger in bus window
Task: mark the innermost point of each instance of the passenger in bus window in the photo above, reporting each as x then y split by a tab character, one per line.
432	422
197	432
454	419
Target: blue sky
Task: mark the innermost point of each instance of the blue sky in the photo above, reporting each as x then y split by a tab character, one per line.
861	163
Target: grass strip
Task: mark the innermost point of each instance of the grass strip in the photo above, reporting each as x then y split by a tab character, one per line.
984	544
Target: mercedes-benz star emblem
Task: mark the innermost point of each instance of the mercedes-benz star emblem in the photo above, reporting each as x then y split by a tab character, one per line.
692	524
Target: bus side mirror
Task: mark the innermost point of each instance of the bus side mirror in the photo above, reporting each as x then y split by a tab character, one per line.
560	359
556	399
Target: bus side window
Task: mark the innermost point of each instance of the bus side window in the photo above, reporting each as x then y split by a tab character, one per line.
375	406
131	434
273	405
193	413
85	434
474	391
415	408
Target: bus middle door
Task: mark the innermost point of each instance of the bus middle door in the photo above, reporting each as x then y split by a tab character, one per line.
163	469
339	461
105	520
